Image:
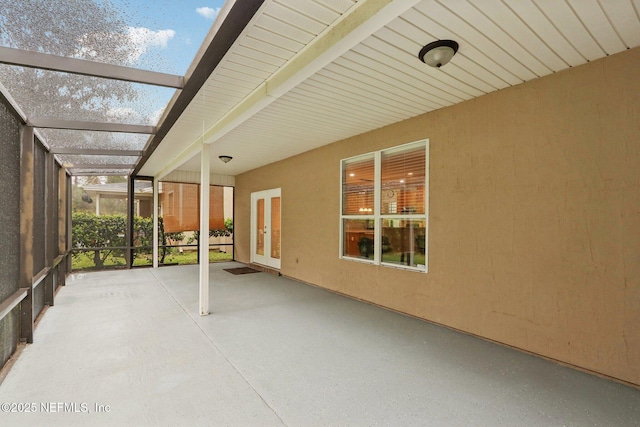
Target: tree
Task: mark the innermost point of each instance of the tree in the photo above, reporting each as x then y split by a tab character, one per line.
98	234
85	29
143	235
225	232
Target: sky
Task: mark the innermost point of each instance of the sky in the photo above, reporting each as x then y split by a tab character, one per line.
160	35
168	32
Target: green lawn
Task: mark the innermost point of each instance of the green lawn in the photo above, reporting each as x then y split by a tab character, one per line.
84	261
418	258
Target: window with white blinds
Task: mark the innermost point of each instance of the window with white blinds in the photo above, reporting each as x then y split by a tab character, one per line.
357	185
385	206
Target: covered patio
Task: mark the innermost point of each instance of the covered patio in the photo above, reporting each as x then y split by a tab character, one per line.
129	348
398	164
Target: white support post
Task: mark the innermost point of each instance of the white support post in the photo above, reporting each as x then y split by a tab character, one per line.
98	204
156	222
204	230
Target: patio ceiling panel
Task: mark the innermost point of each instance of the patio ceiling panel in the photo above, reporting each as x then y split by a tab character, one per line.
439	86
501	35
592	16
573	29
299	14
373	64
471	53
276	34
407	36
293	111
317	100
379	80
372	75
504	23
624	18
544	29
244	53
467	34
377	95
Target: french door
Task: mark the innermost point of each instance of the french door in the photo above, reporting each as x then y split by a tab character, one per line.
265	228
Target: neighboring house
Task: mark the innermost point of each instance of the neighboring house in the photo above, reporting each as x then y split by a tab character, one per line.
178	206
143	195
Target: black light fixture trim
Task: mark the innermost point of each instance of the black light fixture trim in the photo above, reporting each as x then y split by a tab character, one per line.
225	159
436	44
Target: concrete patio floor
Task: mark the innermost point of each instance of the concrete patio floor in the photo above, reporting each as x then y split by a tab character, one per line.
127	348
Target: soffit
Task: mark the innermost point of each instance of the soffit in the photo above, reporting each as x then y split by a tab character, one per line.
278	32
379	80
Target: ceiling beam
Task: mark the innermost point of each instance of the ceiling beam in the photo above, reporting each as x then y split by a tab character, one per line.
93	126
95	151
186	154
120	172
46	61
364	19
95	166
233	25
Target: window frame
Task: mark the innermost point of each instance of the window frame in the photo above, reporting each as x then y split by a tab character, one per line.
377	215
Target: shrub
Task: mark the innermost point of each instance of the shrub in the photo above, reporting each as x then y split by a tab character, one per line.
107	231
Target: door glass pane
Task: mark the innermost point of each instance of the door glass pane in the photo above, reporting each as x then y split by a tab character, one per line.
260	227
359	238
403	181
403	242
275	227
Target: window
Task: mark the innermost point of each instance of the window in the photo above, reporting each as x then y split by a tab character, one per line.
385	207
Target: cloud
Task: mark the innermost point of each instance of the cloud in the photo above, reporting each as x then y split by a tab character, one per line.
123	113
123	48
141	39
154	117
208	12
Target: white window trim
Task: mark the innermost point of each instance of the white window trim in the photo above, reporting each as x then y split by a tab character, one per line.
378	217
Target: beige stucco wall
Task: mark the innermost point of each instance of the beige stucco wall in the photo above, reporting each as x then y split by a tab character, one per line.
534	227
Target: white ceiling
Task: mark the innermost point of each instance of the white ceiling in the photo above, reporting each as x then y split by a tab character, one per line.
306	73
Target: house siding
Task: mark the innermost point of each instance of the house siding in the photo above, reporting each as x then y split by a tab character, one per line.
534	223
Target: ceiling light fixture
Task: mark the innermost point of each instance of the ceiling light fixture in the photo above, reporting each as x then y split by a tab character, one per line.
225	159
438	53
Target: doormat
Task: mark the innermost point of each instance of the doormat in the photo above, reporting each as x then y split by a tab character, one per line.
241	270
